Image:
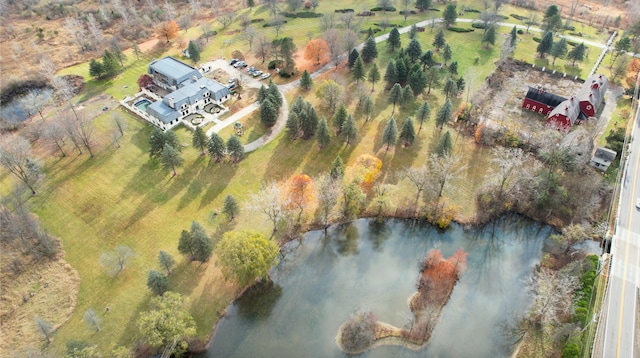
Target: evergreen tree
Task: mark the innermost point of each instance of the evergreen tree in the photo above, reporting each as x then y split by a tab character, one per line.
408	132
230	207
489	37
95	68
309	123
427	60
251	3
353	56
305	81
324	137
407	95
513	38
166	261
450	89
391	76
559	50
444	114
235	149
293	125
274	94
402	71
358	70
268	113
444	144
423	5
545	44
298	105
577	54
157	282
552	19
369	51
171	158
194	52
395	95
367	108
158	139
340	117
216	147
195	244
390	133
349	130
417	81
262	93
337	168
453	68
374	75
199	140
460	84
414	50
110	64
433	79
439	41
423	114
450	15
393	42
413	31
446	54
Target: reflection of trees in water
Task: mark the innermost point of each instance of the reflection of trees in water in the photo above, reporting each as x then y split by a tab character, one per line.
489	247
346	239
258	301
379	232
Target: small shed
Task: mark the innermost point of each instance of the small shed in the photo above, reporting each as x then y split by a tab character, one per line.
602	158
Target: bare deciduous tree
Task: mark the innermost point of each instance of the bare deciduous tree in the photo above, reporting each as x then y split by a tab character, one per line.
226	19
333	37
54	135
270	202
329	193
114	262
16	157
444	169
75	29
350	40
96	32
249	35
350	21
45	328
327	22
92	319
263	47
419	177
195	7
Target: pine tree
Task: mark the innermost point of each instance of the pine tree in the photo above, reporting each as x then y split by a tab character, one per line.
414	50
513	37
367	108
374	75
194	52
453	68
423	5
444	144
408	132
199	140
293	125
337	168
460	84
171	158
450	15
394	96
559	50
216	147
230	207
340	117
577	54
349	130
369	51
268	112
305	81
157	282
402	71
390	133
439	41
274	94
109	63
95	68
450	88
324	137
353	56
545	44
391	76
423	114
407	95
413	31
433	79
393	42
235	149
489	37
446	54
166	261
444	114
417	81
262	93
309	123
358	70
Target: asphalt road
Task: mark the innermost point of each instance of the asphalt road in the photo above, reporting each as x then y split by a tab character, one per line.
624	279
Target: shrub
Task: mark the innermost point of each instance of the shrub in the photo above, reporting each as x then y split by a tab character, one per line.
376	30
380	8
518	17
537	39
342	11
579	34
302	14
478	25
571	350
520	31
503	17
472	10
572	43
285	74
210	33
409	12
434	9
273	64
359	331
570	28
460	29
272	24
253	21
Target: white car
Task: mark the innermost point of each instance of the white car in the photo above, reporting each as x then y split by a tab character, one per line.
265	76
637	203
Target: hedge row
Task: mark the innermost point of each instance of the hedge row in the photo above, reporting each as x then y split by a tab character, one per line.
302	14
342	11
460	29
253	21
472	10
519	17
380	8
268	24
478	25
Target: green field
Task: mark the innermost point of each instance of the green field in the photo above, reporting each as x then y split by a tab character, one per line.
121	197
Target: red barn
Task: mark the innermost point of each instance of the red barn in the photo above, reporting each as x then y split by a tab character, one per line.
564	115
539	101
591	95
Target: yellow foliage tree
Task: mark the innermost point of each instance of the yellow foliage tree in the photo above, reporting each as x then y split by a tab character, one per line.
368	170
168	30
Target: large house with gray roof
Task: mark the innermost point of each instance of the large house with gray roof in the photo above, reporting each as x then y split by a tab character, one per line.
191	92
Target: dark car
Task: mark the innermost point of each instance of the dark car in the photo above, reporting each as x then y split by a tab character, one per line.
233	61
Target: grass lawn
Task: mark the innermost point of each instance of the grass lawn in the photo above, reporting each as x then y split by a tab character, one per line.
121	197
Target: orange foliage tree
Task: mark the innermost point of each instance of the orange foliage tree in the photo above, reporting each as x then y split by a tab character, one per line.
317	50
438	277
301	191
369	168
168	30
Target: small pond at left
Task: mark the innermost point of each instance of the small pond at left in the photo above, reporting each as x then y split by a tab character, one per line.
364	264
19	108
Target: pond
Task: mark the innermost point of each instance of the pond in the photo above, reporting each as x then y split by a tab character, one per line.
364	264
17	110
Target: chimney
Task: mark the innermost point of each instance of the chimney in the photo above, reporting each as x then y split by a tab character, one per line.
171	104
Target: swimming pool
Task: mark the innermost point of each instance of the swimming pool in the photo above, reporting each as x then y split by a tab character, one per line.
143	104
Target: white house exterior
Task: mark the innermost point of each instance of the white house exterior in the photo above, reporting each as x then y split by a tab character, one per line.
602	158
191	92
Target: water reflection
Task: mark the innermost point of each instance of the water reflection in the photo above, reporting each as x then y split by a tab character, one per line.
366	264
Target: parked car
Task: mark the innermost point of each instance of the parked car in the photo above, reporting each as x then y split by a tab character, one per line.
238	64
232	80
231	85
243	64
233	61
257	73
638	203
265	76
251	69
